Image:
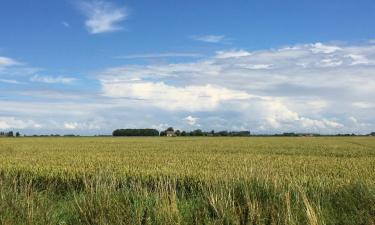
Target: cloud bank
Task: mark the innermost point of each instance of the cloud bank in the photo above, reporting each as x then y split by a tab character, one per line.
314	87
309	87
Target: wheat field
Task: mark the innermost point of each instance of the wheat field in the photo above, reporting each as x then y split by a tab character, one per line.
252	180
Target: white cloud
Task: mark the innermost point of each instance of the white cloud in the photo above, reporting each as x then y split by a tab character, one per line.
330	62
14	123
286	89
364	105
209	38
160	55
5	61
321	48
84	125
191	120
353	119
290	88
71	125
9	81
192	97
102	16
232	54
358	59
279	116
257	66
53	80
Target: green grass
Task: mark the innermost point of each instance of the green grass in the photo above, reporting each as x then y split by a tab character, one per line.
325	180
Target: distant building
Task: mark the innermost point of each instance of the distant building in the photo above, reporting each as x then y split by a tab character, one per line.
170	133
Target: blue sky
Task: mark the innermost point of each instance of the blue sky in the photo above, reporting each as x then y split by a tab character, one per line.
90	66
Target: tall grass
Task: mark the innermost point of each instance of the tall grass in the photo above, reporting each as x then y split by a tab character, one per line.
187	181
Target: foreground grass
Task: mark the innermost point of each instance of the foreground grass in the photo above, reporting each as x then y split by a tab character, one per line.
187	181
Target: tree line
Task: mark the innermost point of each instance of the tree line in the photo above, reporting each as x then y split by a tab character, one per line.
9	134
170	131
198	132
135	132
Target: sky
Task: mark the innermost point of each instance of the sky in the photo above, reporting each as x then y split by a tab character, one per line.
269	66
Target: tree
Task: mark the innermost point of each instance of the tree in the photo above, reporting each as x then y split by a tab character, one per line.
239	133
10	134
18	134
222	133
197	132
177	132
183	133
169	129
135	132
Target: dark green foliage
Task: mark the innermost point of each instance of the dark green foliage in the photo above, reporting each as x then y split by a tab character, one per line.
136	132
6	134
169	129
197	132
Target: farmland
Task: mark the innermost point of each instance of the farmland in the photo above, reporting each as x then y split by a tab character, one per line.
256	180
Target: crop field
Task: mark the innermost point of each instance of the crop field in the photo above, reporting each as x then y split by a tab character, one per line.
252	180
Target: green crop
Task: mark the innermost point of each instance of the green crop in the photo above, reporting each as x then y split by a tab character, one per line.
321	180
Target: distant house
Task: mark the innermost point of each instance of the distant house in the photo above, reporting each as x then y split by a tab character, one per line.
170	133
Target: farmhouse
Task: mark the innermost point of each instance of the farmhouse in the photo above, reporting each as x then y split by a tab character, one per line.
170	133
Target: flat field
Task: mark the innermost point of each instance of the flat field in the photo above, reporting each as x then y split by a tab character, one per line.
254	180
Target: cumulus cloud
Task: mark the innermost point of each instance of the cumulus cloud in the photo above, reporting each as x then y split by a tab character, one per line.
321	48
192	97
102	16
302	88
15	123
359	59
191	120
290	88
53	80
71	125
